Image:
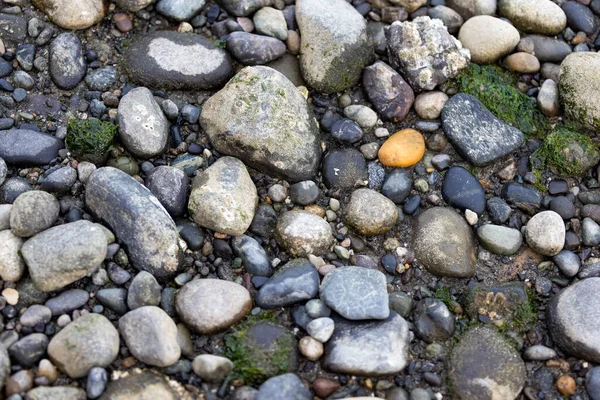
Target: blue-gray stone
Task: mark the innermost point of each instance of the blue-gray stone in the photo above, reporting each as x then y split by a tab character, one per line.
462	190
96	382
170	186
66	62
253	256
397	186
27	147
113	298
251	49
287	386
67	301
297	281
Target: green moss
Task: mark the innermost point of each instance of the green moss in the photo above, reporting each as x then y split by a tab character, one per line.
539	181
557	151
222	44
90	136
496	89
443	294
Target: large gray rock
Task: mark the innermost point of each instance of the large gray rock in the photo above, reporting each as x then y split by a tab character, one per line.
151	336
370	213
573	318
27	147
356	293
534	16
579	85
143	127
334	46
33	212
444	243
302	233
170	186
89	341
64	254
484	366
144	385
297	281
369	348
224	197
476	134
66	63
242	8
419	47
210	305
270	126
73	14
12	265
173	60
179	10
137	219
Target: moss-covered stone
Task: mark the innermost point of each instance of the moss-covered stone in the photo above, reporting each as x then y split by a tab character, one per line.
580	88
90	139
260	349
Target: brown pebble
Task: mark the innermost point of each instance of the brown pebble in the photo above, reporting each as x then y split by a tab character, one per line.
122	22
128	362
324	387
22	381
566	385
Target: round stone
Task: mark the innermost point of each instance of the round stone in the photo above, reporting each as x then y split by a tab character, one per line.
534	16
580	87
488	38
402	149
370	213
568	263
462	190
397	185
73	14
310	348
344	168
362	115
522	63
500	239
33	212
212	368
429	105
346	131
545	233
301	233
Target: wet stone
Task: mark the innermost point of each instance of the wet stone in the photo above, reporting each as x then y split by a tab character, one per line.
462	190
296	281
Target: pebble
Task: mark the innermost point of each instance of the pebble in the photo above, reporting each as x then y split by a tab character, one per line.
534	16
143	291
370	213
310	348
321	329
539	353
212	368
452	20
362	115
578	87
346	131
567	262
34	315
251	49
403	149
433	321
579	17
592	383
169	185
66	61
67	301
96	382
397	186
295	282
101	79
500	239
33	212
500	38
590	232
462	190
286	386
429	105
270	22
28	147
545	233
179	10
522	63
12	265
301	233
566	385
72	15
547	49
114	299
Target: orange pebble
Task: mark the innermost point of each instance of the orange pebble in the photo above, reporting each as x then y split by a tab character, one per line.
566	385
403	149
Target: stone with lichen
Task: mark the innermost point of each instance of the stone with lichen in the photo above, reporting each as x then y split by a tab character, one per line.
425	53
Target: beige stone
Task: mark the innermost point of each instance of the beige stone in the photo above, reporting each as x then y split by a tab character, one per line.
488	38
73	14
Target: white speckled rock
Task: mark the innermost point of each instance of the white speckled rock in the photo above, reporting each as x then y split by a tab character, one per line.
5	210
548	100
73	14
534	16
224	197
545	233
488	38
579	84
301	233
12	265
334	46
143	127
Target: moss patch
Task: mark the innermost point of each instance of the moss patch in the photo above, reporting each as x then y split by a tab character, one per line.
90	136
496	89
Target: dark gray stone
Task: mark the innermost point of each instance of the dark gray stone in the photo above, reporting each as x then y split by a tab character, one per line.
251	49
264	221
563	207
13	29
13	188
26	147
253	256
67	301
113	298
304	193
391	96
548	49
579	17
433	321
170	186
568	263
144	291
397	185
59	180
101	79
462	190
242	8
137	219
343	169
476	134
66	62
522	197
297	281
172	60
29	350
592	383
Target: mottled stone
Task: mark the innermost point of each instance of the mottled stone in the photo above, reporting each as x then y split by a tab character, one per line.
301	233
370	213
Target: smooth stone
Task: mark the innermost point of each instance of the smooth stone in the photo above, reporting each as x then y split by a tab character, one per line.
33	212
253	256
476	134
302	233
548	49
522	63
343	169
567	262
403	149
223	197
534	16
579	88
471	8
451	19
592	383
356	293
484	366
334	47
59	180
151	336
13	28
137	219
5	210
67	301
321	329
56	392
419	47
286	386
270	22
143	291
500	38
579	17
210	305
73	14
433	321
272	130
429	105
365	117
242	8
397	186
539	353
13	188
212	368
22	147
368	348
179	10
89	341
134	5
370	213
500	239
573	319
252	49
143	385
444	243
114	299
590	232
545	233
391	96
548	100
170	186
296	281
66	62
96	382
346	131
3	171
12	265
462	190
101	79
304	193
29	350
64	254
172	60
522	197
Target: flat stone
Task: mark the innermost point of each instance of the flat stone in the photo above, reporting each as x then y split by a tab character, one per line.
547	49
573	319
371	348
210	305
302	233
296	281
484	366
66	62
137	219
269	129
73	14
433	321
143	128
251	49
444	243
29	350
59	181
89	341
172	60
370	213
23	147
500	239
534	16
67	301
476	134
579	17
356	293
545	233
13	29
212	368
56	392
488	38
522	197
462	190
334	45
224	197
64	254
